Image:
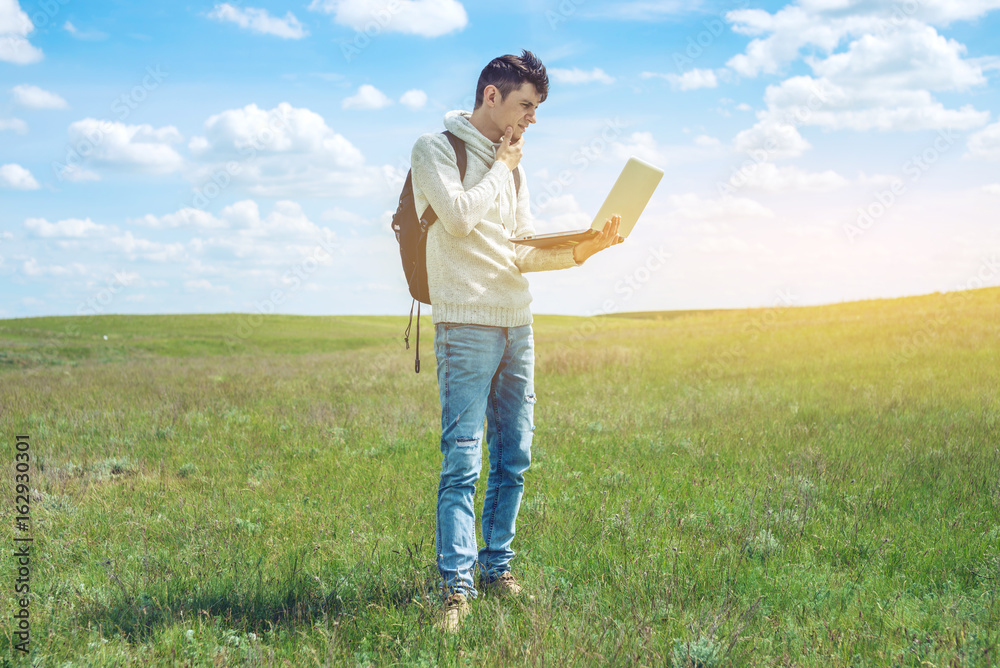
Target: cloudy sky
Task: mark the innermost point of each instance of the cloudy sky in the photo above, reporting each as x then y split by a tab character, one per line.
215	157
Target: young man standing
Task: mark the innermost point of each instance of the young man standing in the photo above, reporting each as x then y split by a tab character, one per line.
482	320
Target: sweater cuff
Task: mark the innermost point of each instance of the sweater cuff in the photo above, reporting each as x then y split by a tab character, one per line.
563	257
501	168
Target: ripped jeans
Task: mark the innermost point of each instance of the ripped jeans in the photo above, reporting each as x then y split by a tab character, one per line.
482	371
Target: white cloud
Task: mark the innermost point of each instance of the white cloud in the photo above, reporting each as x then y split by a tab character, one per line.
643	146
279	239
77	174
80	34
283	129
695	207
293	176
771	178
429	18
912	59
186	217
884	79
204	285
876	180
891	16
779	38
199	145
282	152
145	249
723	244
17	177
771	139
34	97
367	97
15	26
690	80
68	228
15	124
985	144
414	99
30	267
578	76
341	215
560	213
241	249
119	145
944	12
259	21
790	30
863	107
286	219
992	188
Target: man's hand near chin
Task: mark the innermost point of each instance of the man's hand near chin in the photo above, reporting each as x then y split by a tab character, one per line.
604	239
510	150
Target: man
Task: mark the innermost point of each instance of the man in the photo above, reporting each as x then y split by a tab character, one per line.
482	320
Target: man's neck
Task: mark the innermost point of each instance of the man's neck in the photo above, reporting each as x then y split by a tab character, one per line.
481	122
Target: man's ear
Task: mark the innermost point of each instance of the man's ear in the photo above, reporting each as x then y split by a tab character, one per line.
490	95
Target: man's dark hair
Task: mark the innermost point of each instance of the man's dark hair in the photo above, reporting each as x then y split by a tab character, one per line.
509	72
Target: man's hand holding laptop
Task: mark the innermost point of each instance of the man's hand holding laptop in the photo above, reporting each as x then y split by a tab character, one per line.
616	217
599	241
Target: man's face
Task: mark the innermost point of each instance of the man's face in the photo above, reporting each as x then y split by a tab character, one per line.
517	110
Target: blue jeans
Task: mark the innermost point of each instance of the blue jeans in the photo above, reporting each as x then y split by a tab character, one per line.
482	372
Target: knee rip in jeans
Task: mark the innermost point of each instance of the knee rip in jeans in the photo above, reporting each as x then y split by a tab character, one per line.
530	399
467	442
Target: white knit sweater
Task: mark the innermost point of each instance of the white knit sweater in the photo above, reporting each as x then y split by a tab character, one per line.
474	271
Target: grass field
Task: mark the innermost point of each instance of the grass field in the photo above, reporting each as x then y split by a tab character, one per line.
805	486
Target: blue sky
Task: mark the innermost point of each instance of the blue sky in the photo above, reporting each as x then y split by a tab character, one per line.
247	156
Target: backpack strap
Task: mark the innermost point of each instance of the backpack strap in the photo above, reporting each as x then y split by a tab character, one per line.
461	157
428	219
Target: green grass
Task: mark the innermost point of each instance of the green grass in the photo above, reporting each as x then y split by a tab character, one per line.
810	486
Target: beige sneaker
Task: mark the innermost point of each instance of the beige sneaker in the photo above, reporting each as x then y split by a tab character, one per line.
455	608
503	586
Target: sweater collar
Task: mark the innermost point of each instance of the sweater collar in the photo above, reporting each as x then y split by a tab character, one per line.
458	123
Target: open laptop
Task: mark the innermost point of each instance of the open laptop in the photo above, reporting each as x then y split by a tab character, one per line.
628	198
